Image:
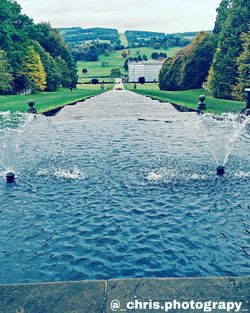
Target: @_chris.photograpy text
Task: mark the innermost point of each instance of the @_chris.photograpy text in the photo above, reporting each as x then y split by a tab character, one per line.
167	306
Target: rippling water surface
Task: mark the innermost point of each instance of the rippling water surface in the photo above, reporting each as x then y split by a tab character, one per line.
123	186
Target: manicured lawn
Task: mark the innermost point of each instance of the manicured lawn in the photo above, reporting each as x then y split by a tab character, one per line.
95	69
189	98
47	100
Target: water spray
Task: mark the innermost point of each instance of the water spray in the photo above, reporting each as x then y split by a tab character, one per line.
10	178
221	170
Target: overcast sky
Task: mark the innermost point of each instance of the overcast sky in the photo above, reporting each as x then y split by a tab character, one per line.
167	16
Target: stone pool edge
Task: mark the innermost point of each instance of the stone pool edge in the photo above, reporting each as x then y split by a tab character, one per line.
178	107
98	295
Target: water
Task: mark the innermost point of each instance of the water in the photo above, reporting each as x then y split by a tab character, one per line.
103	195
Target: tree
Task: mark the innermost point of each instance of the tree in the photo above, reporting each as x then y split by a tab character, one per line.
5	75
115	73
162	55
222	14
17	32
197	62
84	71
157	45
94	81
243	80
65	76
52	42
155	56
125	66
141	80
189	69
170	73
224	71
33	68
50	66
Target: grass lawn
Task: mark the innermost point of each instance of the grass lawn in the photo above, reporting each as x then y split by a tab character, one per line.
47	100
95	69
189	98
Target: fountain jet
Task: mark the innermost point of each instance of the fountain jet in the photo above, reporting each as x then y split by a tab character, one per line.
221	170
10	177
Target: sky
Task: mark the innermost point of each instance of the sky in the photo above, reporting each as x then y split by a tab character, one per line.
168	16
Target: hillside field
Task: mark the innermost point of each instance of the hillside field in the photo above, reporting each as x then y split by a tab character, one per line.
95	69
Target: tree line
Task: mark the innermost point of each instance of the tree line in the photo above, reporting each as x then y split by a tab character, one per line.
32	56
155	40
221	59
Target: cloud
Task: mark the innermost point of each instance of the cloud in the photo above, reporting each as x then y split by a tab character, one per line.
158	15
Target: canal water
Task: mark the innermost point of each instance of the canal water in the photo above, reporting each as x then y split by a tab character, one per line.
124	186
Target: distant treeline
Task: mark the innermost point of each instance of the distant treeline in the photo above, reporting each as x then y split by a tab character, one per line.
155	40
220	59
76	36
33	57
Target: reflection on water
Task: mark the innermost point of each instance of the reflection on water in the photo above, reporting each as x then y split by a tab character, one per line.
108	189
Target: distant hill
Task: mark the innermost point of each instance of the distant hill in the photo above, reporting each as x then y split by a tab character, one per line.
134	36
77	35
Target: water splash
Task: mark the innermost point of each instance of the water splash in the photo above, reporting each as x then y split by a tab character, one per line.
221	133
71	174
12	125
152	176
173	175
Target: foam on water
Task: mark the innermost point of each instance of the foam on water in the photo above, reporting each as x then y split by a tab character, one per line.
72	174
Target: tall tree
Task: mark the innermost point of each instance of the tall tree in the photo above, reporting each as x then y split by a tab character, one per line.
222	14
189	69
50	66
34	69
51	40
5	75
243	61
64	73
224	70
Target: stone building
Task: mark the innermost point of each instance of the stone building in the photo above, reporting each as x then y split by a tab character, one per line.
150	70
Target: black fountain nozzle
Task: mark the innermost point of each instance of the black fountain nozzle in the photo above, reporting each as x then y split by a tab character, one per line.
31	108
10	177
221	170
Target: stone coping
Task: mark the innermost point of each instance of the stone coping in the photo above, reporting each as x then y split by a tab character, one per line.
97	296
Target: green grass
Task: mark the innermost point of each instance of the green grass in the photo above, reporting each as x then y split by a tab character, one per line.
148	51
47	100
189	98
95	69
